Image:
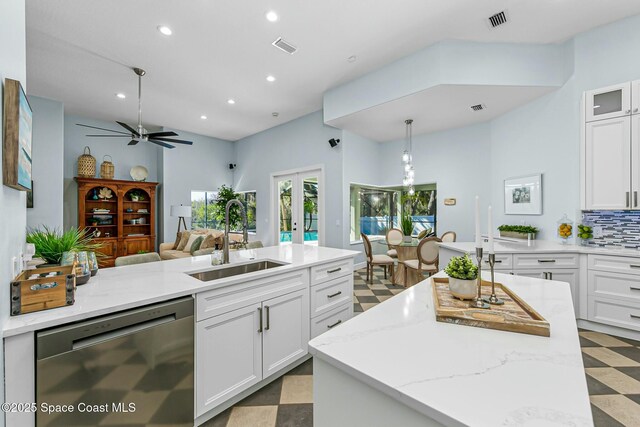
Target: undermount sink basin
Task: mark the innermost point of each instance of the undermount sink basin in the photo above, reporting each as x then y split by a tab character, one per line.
234	270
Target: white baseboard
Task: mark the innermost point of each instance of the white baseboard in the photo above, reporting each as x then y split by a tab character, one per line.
360	265
611	330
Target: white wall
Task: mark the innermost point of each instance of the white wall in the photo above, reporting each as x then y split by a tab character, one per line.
48	155
202	166
13	216
124	158
299	143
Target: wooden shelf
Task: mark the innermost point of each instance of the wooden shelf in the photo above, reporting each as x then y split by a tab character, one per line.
136	213
101	201
136	225
100	226
101	213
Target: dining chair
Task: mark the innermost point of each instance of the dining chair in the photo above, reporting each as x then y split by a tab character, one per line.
428	254
394	237
449	236
372	260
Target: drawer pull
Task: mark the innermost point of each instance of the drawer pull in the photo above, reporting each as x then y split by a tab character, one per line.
634	266
260	314
335	270
334	295
541	261
633	316
634	289
268	320
334	325
498	261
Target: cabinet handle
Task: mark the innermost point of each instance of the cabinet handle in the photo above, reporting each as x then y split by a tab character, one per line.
635	199
633	316
634	266
634	289
498	261
635	110
627	199
334	325
268	320
335	270
541	261
544	275
334	295
260	314
550	276
627	111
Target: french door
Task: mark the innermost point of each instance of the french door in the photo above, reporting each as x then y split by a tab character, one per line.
298	206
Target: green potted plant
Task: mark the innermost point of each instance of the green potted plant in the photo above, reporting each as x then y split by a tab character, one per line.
224	195
406	225
463	274
518	231
52	243
136	195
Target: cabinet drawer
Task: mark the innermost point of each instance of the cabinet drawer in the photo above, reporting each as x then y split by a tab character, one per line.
616	313
503	262
232	297
615	264
323	272
328	295
545	261
614	285
331	319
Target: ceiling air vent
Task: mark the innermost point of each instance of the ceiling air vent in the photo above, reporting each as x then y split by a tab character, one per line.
285	46
497	19
478	107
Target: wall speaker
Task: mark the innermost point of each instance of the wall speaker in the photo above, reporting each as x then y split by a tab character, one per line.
232	166
333	142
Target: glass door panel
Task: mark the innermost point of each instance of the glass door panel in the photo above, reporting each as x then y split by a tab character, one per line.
284	207
310	203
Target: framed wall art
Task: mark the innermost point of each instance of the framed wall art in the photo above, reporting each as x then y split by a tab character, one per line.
16	144
523	195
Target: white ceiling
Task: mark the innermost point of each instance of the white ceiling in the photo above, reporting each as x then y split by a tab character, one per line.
79	51
437	108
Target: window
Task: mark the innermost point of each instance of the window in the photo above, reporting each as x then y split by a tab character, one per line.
201	209
374	210
249	200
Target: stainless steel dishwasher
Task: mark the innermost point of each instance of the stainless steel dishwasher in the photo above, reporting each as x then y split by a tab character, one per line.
128	368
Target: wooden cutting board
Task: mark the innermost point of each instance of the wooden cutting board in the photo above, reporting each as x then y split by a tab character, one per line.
514	316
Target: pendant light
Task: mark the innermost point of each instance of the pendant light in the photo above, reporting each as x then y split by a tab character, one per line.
407	159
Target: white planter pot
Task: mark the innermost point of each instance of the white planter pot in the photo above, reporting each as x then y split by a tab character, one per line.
407	239
463	289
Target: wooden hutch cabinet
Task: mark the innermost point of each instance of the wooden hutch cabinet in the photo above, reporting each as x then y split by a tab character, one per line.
125	223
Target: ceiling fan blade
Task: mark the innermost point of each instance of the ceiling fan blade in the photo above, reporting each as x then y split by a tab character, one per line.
157	134
111	136
133	142
177	141
155	141
94	127
129	128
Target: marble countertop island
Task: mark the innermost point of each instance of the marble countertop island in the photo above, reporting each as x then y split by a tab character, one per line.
458	375
540	246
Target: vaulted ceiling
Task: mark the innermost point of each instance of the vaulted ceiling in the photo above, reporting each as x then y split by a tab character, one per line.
80	51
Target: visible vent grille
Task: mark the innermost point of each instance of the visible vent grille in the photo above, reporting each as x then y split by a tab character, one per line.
285	46
498	19
478	107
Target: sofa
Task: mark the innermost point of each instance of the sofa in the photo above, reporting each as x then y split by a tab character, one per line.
171	250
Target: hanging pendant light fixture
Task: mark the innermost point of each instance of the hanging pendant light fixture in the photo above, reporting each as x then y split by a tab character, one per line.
407	159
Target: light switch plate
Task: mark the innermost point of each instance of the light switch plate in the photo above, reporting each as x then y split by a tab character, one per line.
15	267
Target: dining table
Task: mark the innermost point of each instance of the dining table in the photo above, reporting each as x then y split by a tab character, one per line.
406	250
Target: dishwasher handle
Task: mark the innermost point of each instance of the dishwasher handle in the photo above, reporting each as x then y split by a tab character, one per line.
122	332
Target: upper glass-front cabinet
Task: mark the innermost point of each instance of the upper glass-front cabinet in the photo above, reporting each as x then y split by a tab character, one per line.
609	102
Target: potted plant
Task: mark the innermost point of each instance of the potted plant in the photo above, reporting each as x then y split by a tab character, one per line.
518	231
52	243
462	274
136	195
406	225
224	195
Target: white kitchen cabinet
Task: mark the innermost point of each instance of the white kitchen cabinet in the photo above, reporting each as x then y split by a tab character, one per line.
228	356
608	164
635	97
608	102
285	330
567	275
635	161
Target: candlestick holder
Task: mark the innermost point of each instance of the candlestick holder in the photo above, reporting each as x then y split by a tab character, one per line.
493	298
478	302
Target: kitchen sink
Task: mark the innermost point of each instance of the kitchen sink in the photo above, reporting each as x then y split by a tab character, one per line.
234	270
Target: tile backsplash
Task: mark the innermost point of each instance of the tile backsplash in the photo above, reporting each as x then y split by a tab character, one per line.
620	229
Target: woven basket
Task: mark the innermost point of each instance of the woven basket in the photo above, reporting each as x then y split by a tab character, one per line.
86	164
106	168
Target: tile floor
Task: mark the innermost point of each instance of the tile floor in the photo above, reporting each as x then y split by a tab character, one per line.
612	368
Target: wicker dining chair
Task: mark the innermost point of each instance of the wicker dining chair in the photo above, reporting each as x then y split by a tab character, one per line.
372	260
449	236
394	237
428	256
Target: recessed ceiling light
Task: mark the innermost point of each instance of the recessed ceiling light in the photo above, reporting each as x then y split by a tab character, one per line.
275	114
271	79
352	58
271	16
231	101
165	30
203	117
121	95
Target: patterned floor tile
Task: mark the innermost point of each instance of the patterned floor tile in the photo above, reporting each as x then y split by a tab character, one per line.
254	416
295	415
619	407
615	379
297	389
604	340
610	357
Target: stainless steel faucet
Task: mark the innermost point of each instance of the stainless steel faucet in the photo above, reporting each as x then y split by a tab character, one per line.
245	234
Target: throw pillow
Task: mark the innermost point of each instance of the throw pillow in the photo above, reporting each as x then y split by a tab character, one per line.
196	244
184	238
208	242
178	237
192	238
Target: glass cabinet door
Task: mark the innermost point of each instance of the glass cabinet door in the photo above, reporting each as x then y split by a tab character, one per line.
608	102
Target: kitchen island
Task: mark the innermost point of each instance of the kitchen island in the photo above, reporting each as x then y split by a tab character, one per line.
395	365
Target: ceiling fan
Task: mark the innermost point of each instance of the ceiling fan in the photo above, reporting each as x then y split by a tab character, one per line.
141	134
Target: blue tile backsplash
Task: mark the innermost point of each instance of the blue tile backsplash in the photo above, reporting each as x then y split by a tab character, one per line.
620	229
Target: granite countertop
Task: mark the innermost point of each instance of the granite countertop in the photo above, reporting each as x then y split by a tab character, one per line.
121	288
540	246
461	375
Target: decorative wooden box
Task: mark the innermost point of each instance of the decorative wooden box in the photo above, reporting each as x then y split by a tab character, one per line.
43	289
